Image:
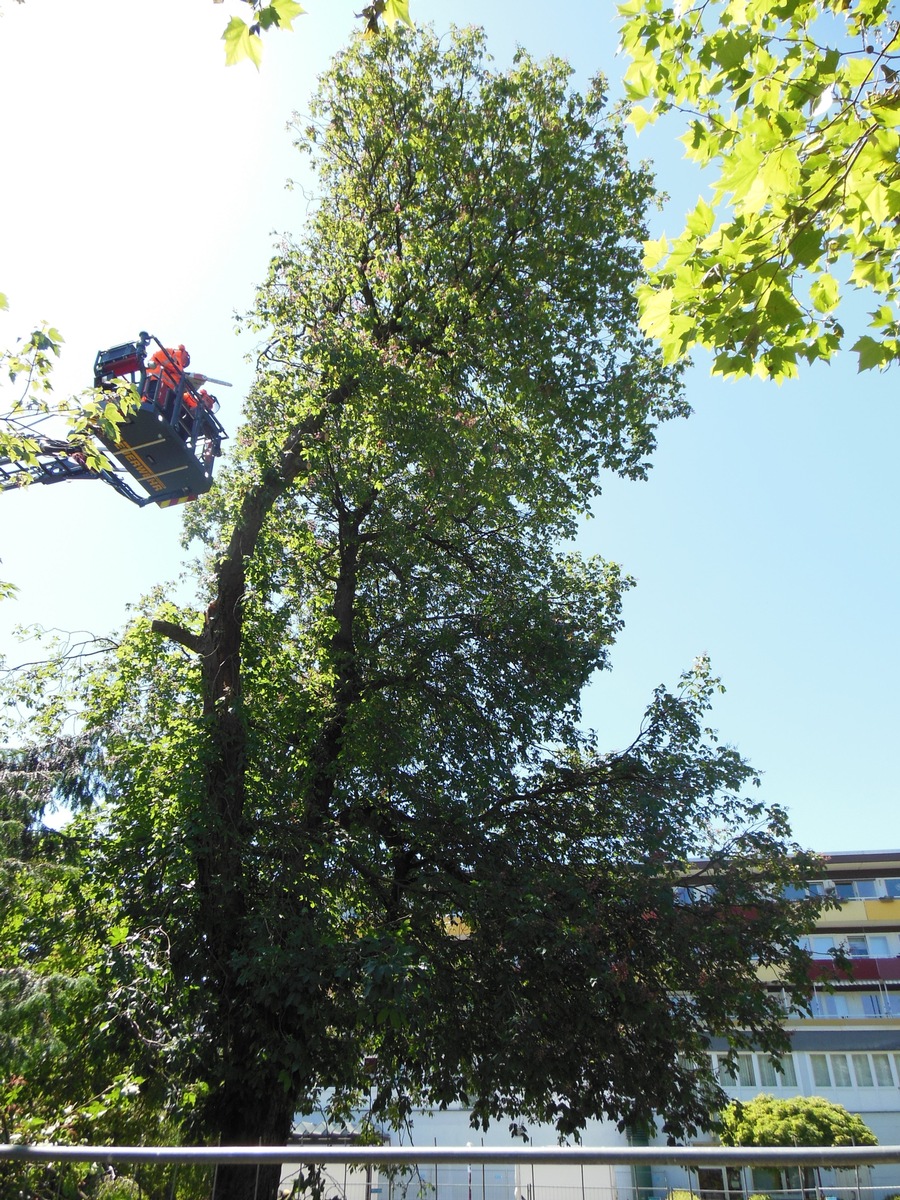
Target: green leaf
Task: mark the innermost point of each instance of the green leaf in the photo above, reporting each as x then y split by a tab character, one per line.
782	309
118	934
656	312
655	251
871	353
4	302
805	248
700	221
397	10
240	43
732	50
640	118
825	293
878	203
639	82
287	11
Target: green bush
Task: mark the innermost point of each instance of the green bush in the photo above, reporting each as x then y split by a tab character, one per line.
121	1188
682	1194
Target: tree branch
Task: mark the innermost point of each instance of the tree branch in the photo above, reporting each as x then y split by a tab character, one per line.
177	633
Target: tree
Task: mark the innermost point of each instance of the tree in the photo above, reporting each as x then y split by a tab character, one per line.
350	787
796	106
67	1047
798	1121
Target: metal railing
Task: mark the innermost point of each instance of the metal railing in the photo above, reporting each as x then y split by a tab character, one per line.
460	1172
624	1156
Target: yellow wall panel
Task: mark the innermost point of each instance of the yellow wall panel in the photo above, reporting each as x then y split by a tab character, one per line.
882	910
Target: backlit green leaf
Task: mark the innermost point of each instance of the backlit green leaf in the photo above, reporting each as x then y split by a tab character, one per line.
240	43
397	10
287	10
825	293
871	353
640	117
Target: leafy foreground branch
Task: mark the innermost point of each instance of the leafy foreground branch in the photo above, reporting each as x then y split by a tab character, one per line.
796	106
243	38
345	812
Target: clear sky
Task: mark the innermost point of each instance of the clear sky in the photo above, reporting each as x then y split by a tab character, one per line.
143	185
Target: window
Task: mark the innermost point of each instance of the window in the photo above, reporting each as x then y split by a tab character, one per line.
862	1068
825	1004
698	894
821	889
772	1076
727	1077
840	1070
872	1004
789	892
821	1076
719	1183
746	1075
742	1075
821	947
787	1073
892	887
856	889
881	1064
788	1184
871	946
868	1070
766	1070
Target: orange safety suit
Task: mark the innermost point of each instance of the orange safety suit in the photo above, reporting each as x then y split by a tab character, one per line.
190	402
167	367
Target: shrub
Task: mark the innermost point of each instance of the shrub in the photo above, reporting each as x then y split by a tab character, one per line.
121	1188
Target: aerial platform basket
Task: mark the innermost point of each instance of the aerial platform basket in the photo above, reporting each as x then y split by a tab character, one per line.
170	442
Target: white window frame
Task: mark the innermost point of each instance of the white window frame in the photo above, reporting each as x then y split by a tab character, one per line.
850	1057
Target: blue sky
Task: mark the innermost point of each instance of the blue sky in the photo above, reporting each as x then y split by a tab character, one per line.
144	183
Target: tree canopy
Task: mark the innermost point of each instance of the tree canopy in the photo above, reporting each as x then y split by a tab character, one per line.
795	106
797	1121
340	809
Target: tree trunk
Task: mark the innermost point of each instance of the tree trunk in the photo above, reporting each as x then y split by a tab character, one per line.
246	1121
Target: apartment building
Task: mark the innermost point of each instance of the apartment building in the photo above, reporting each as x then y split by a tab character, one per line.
847	1048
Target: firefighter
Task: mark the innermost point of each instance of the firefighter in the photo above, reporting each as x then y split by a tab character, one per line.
165	371
207	403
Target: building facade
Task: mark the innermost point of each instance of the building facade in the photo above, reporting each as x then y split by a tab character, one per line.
847	1048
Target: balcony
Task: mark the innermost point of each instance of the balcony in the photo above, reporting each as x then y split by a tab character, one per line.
860	970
